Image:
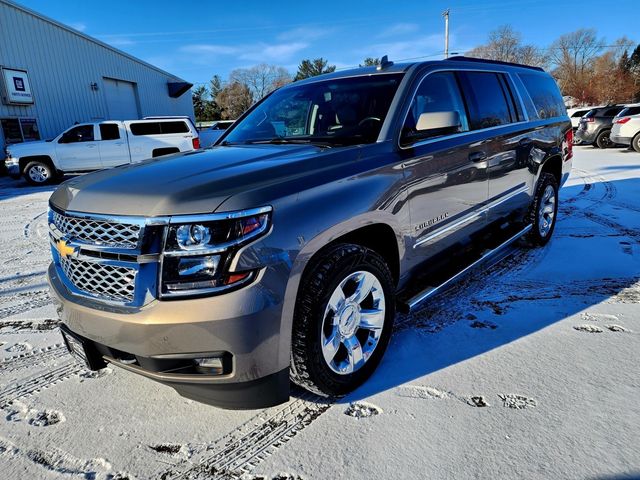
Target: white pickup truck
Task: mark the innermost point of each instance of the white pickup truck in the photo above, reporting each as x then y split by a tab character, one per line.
94	146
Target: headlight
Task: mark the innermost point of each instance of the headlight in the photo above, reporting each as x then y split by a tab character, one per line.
198	250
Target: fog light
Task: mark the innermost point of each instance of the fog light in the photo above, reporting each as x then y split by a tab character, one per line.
209	366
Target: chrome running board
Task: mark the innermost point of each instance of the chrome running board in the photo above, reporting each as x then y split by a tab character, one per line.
413	302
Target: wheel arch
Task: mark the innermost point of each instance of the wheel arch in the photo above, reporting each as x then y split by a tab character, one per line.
552	165
24	161
361	230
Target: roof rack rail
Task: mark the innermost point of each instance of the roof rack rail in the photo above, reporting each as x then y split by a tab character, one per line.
461	58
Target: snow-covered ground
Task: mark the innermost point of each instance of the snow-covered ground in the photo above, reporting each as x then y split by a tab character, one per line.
528	369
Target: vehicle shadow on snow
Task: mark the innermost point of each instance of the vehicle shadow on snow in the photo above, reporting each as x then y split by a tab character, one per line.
583	265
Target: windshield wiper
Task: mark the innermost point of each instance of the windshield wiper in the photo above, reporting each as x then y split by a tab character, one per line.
291	141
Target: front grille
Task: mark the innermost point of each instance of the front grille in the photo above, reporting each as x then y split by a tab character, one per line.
98	232
99	280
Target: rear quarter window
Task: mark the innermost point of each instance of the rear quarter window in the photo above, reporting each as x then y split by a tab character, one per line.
159	128
487	100
544	94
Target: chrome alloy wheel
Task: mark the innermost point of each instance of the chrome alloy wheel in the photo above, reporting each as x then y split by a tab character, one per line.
547	211
39	173
353	322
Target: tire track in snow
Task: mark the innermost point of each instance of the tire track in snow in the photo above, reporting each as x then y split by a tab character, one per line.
35	383
33	358
240	451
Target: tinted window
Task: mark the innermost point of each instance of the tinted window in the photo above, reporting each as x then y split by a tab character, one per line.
486	100
159	128
438	92
579	113
109	131
610	112
545	95
222	125
81	133
174	127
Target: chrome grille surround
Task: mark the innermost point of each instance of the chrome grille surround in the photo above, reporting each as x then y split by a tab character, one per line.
98	232
111	282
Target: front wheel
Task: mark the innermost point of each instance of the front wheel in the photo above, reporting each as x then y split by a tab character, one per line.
343	320
544	210
38	173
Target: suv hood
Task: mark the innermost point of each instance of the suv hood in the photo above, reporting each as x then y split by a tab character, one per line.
196	182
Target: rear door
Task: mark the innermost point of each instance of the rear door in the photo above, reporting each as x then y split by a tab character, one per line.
113	146
445	171
77	149
492	108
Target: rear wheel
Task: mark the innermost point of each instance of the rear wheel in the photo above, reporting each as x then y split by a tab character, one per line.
343	320
635	143
603	140
544	210
38	173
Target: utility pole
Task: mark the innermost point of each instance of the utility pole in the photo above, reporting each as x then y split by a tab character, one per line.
445	14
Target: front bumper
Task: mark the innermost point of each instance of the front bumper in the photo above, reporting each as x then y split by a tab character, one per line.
620	140
244	325
13	167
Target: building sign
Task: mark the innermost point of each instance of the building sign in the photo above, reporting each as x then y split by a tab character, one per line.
17	89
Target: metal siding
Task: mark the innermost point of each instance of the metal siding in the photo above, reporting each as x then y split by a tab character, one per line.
62	65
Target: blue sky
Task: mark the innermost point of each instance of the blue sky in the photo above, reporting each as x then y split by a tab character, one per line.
195	40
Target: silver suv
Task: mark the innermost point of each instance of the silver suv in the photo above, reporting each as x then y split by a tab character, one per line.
283	252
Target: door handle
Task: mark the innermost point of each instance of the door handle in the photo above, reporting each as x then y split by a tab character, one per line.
93	145
477	156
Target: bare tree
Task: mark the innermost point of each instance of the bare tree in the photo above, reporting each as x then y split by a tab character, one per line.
234	99
505	45
261	79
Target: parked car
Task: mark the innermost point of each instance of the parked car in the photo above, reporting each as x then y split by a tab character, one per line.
275	256
94	146
629	110
626	131
576	113
209	135
595	126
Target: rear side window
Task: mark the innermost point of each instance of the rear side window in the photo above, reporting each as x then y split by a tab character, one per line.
109	131
545	95
579	113
611	112
487	101
159	128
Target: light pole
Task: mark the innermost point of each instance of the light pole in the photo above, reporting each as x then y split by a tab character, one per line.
445	14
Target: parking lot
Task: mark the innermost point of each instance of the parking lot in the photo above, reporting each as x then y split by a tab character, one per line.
526	369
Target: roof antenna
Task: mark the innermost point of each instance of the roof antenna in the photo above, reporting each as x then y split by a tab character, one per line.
384	63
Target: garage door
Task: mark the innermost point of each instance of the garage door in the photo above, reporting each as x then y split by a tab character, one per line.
122	100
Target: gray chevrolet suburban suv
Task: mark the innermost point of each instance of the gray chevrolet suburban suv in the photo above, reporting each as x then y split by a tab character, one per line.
282	253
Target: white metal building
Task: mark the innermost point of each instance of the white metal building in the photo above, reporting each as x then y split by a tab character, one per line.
53	76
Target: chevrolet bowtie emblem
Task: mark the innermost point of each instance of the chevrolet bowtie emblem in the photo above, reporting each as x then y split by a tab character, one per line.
64	249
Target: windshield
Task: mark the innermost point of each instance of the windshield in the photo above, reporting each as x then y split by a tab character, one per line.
343	111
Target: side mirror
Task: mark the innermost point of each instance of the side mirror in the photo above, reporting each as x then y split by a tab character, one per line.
440	123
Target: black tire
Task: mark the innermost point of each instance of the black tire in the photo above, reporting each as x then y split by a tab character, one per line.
39	173
603	140
308	366
635	143
536	236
